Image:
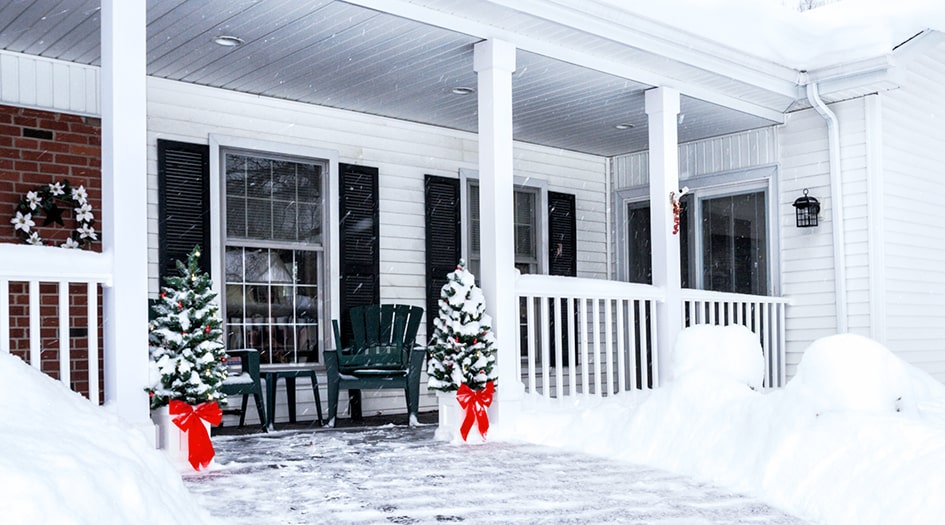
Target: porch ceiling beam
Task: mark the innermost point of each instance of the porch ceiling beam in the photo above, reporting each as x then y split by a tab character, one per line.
625	70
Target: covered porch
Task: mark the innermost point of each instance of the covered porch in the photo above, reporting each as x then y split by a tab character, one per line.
638	88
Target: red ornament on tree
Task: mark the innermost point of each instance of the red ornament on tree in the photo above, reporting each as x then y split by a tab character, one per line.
206	330
180	305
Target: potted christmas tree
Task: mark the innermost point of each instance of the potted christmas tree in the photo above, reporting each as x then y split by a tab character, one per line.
188	363
462	357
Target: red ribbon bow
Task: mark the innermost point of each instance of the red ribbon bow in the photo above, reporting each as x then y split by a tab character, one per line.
188	419
474	402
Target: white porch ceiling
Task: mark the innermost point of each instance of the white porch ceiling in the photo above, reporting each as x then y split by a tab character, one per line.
402	59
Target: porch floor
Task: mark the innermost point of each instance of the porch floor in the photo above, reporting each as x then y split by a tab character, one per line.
396	474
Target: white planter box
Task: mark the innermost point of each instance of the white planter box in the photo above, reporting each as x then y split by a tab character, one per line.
171	440
451	419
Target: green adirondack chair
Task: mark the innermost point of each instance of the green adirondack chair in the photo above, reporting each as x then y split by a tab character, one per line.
382	353
246	383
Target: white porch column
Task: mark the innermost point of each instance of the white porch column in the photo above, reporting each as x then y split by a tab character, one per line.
124	208
495	63
662	108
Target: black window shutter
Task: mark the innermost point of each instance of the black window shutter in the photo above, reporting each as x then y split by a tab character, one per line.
359	240
562	234
183	203
443	237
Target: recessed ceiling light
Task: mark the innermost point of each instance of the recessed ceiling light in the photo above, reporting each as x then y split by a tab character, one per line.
228	41
462	90
624	125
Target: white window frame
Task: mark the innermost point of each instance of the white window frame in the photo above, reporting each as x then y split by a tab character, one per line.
759	178
330	306
540	187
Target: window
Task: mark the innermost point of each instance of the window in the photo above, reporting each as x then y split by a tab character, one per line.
274	257
726	249
526	225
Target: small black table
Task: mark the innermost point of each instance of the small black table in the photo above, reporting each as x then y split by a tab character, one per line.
272	375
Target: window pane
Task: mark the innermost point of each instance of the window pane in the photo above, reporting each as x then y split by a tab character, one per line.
474	220
258	178
639	251
235	216
309	183
734	240
258	218
284	218
283	180
525	226
310	223
235	175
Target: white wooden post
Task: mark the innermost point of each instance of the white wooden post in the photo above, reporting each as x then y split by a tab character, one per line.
124	208
495	62
662	108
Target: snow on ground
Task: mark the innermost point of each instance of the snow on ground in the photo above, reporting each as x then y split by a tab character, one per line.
857	436
64	461
396	474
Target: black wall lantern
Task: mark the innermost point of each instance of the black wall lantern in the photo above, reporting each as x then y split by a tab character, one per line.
807	210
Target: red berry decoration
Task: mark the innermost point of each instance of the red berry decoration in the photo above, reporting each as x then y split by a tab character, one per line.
207	329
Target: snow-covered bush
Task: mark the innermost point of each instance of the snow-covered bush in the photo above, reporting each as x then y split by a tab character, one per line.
849	372
726	352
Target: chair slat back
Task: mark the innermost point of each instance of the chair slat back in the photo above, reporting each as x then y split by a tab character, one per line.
383	325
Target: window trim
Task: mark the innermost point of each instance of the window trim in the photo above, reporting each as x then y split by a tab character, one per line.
540	187
219	146
718	184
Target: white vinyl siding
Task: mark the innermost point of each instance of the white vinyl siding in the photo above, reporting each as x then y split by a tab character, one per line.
42	83
807	262
913	137
402	151
733	152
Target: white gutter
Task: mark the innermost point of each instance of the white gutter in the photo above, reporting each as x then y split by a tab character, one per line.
836	206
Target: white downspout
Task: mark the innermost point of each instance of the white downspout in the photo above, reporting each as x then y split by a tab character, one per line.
836	207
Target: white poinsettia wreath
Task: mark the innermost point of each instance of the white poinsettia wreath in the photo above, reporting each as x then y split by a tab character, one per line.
46	201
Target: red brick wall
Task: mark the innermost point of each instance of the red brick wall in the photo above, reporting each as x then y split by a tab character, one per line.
39	148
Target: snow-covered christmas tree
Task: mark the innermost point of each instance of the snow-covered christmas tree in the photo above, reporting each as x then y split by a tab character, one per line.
463	346
188	361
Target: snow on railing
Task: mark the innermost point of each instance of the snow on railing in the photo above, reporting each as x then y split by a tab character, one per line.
586	336
763	315
43	290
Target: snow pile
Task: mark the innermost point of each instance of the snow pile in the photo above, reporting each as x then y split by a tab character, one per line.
67	461
857	436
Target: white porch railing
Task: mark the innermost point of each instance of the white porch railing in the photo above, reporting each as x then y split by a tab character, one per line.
763	315
42	277
586	336
603	333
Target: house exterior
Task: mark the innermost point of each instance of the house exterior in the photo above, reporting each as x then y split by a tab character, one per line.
379	142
